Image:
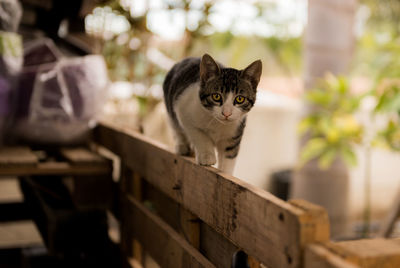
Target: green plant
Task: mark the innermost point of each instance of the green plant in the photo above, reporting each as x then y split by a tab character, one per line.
330	126
388	102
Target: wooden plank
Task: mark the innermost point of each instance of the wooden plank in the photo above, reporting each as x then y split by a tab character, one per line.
270	229
166	246
19	234
318	256
368	253
54	168
21	156
125	187
89	192
9	191
190	225
64	229
136	191
214	246
81	156
319	229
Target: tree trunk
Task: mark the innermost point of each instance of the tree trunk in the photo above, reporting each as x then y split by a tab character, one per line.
329	44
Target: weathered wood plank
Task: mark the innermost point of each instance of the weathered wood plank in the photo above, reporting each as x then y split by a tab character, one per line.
125	187
214	246
22	161
166	246
318	256
136	191
190	225
19	234
81	155
54	168
270	229
319	230
368	253
9	190
63	227
22	156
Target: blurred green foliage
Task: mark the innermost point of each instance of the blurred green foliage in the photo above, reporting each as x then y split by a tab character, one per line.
377	56
331	128
387	93
379	40
281	55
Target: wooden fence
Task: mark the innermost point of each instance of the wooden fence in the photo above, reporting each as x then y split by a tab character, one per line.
185	215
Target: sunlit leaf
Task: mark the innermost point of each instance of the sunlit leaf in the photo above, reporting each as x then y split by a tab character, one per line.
327	158
349	156
313	148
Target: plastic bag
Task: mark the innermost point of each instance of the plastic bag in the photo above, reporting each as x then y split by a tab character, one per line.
10	15
66	100
10	66
40	54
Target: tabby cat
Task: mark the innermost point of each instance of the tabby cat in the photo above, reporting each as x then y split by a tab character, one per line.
207	106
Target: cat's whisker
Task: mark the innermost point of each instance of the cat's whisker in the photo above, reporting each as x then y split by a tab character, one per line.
222	122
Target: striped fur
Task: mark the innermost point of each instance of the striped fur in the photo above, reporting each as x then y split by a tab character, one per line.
203	121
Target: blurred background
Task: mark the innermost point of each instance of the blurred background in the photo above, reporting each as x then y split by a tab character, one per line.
325	126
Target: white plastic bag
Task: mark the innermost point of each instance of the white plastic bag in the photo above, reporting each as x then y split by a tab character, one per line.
66	101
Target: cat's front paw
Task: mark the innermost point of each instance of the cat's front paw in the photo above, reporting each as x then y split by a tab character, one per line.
206	159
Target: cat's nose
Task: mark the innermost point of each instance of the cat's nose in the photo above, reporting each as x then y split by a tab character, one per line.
226	113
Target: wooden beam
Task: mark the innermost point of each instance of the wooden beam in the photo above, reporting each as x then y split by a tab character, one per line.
368	253
54	168
270	229
81	156
391	218
165	245
214	246
17	156
19	234
22	161
318	256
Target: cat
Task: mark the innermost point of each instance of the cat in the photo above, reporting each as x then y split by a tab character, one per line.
207	106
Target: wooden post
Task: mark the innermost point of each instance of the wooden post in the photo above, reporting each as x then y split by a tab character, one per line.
390	220
329	44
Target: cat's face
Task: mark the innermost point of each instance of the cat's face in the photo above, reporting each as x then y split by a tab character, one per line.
228	93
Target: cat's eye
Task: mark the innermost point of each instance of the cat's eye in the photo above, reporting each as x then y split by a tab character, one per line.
216	97
239	99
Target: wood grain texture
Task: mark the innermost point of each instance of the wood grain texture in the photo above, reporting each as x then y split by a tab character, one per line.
368	253
269	229
166	246
136	191
318	256
53	168
22	156
22	161
214	246
81	155
19	234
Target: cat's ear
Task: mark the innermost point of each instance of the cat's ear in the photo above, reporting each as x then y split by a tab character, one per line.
208	68
252	73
